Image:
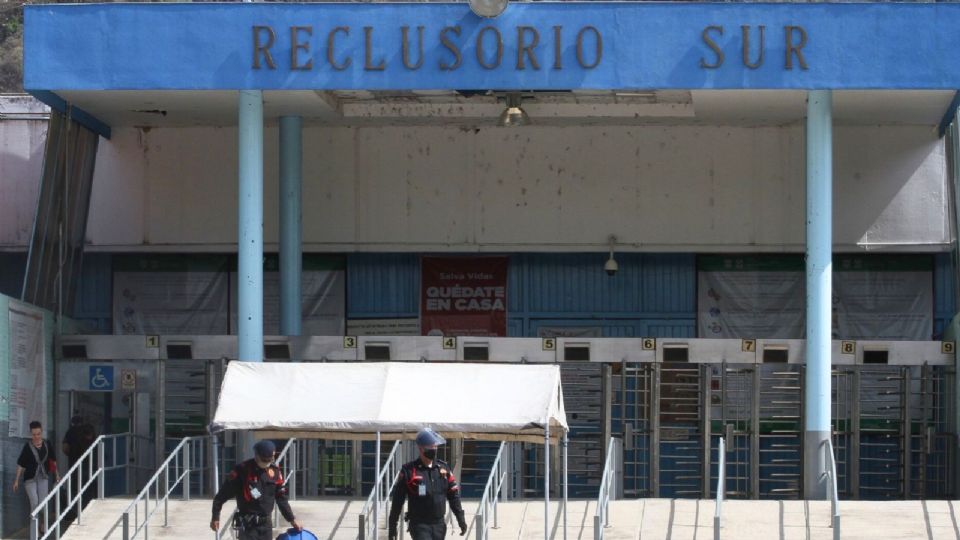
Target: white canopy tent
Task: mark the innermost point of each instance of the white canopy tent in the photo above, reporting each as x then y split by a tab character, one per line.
394	400
514	402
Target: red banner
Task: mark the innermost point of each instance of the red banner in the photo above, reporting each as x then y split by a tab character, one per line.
463	296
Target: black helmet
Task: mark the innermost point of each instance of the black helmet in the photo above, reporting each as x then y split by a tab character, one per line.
428	437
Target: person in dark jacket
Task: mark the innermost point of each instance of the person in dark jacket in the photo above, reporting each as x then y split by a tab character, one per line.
71	440
36	464
78	439
428	485
257	484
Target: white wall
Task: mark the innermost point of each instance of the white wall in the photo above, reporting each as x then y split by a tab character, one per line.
21	163
686	188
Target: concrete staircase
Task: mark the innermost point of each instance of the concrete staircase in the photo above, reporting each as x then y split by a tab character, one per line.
641	519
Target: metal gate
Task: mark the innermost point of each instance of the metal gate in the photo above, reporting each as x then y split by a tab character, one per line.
931	449
845	400
478	458
732	403
336	475
678	448
780	428
891	429
584	398
188	402
632	419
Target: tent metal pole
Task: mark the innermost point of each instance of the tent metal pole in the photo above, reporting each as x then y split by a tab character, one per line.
566	479
546	481
376	489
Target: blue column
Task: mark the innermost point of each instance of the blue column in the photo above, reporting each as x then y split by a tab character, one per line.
250	227
819	222
291	175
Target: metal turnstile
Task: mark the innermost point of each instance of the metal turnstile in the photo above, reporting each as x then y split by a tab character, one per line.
583	397
883	404
732	405
892	434
780	426
679	448
932	445
633	421
893	410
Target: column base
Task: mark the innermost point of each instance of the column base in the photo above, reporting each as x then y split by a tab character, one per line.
814	487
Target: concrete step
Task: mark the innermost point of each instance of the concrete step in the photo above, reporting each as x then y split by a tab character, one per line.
185	519
638	519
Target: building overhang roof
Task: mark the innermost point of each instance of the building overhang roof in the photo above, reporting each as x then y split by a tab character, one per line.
427	63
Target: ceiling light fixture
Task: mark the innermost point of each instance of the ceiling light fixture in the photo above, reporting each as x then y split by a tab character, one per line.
514	115
488	8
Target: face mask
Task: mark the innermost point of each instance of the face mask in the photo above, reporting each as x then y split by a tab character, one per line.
430	454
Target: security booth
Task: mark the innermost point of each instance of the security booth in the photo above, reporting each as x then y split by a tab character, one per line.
393	401
648	82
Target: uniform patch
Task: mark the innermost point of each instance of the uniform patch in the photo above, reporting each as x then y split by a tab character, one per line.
270	473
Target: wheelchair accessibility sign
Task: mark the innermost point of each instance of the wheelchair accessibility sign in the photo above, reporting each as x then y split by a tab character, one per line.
101	379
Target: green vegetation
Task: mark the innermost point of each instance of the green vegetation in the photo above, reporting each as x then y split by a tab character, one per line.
11	46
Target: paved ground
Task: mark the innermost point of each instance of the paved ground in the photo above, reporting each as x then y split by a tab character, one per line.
642	519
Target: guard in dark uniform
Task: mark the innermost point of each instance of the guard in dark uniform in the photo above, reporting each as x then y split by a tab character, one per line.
428	484
256	484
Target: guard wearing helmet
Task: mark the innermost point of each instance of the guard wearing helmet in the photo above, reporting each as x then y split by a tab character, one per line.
429	485
257	484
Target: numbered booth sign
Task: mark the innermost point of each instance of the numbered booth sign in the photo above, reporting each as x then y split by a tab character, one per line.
649	344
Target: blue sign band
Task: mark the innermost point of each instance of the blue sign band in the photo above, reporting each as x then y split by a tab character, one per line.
532	46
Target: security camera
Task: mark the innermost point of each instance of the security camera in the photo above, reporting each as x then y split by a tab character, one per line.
611	267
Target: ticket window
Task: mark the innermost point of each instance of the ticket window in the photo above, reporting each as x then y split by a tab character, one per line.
876	356
676	353
476	352
775	355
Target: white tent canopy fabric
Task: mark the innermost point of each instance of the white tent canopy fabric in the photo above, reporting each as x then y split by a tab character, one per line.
354	400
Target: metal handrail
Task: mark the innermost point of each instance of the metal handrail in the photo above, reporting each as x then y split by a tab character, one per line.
86	460
295	448
491	495
721	487
181	460
601	517
831	473
380	494
224	526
